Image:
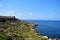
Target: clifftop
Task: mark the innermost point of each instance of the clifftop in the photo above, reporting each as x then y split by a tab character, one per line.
6	18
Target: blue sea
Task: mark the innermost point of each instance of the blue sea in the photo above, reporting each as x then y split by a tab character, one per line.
50	28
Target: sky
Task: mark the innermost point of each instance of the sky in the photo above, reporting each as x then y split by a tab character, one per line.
31	9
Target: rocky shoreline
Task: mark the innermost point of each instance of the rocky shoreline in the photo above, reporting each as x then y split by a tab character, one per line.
36	32
12	28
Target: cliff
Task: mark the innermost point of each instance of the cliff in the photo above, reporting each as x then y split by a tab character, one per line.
17	30
6	18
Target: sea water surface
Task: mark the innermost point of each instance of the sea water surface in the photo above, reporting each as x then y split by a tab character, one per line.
50	28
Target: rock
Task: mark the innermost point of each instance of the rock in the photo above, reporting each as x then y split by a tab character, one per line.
1	29
45	37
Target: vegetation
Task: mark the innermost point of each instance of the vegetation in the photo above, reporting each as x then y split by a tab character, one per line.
18	30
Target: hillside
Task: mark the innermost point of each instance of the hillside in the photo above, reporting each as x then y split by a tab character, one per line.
18	30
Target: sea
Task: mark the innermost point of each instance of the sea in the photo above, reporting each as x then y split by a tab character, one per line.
50	28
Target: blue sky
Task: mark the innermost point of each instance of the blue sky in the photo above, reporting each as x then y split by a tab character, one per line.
31	9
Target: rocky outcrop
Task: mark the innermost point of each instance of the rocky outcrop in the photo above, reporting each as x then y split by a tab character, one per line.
6	18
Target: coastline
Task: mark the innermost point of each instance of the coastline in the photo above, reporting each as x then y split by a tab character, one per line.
9	26
36	32
16	29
